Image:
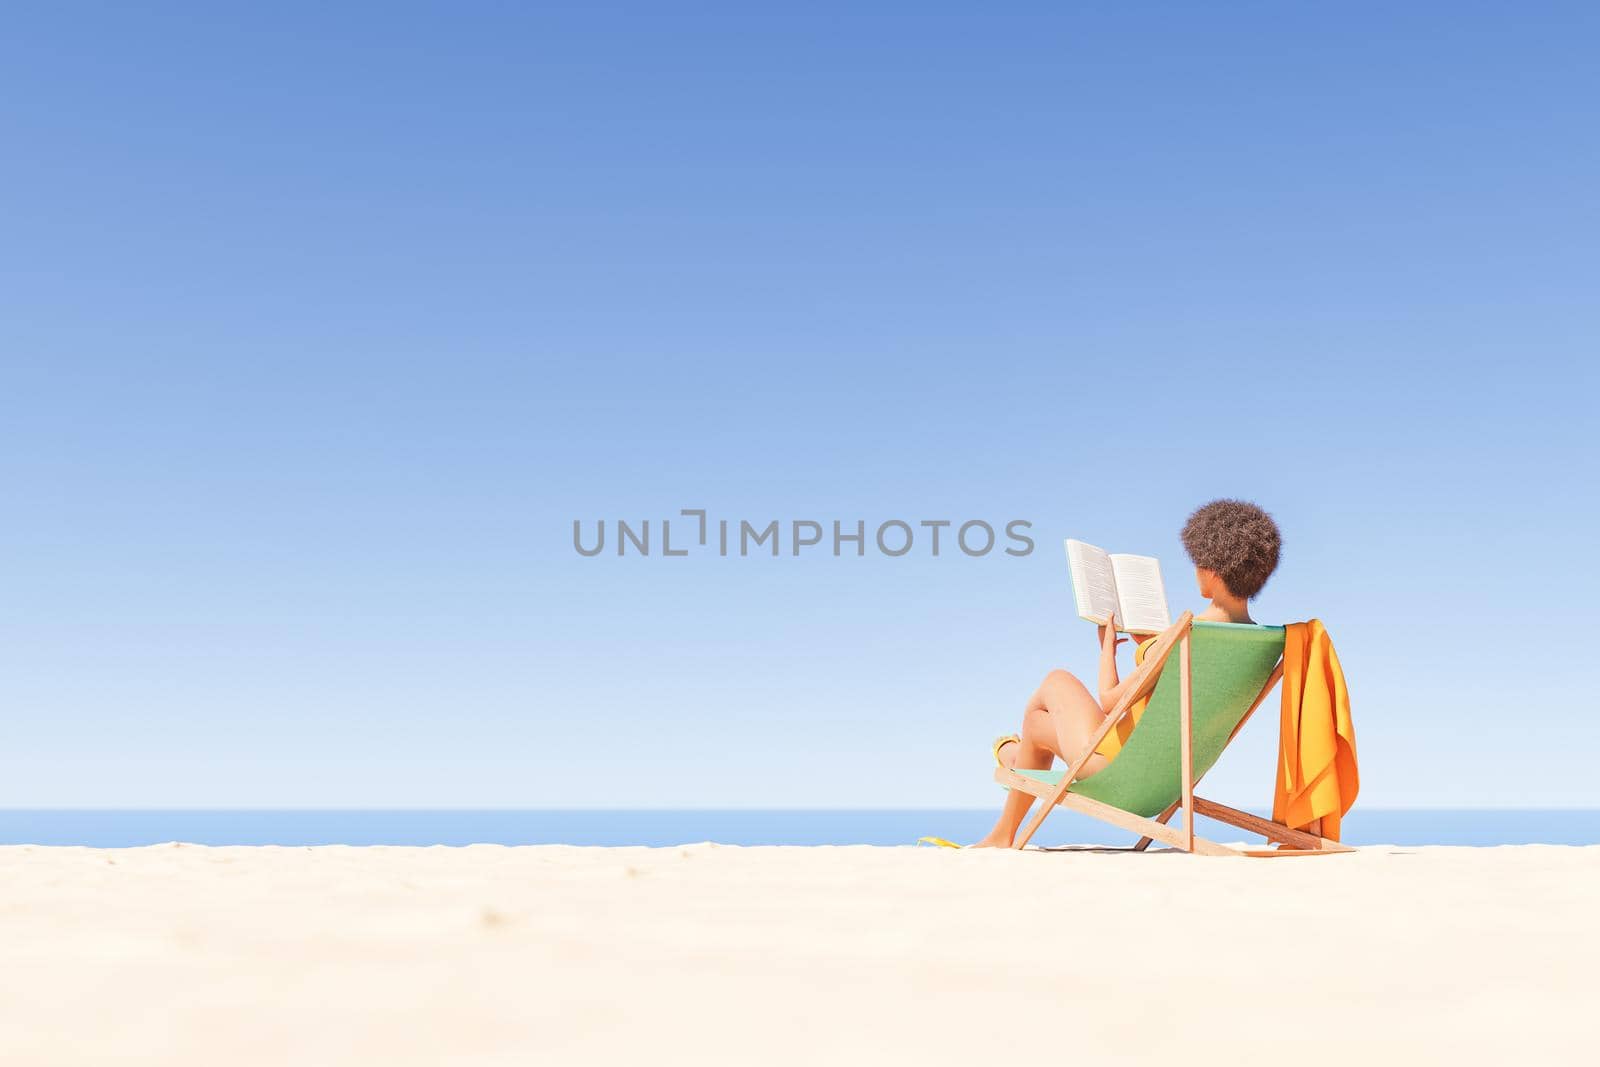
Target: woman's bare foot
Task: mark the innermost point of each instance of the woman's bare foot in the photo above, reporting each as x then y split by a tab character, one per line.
994	839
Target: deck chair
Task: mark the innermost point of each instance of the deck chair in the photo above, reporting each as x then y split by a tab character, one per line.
1222	673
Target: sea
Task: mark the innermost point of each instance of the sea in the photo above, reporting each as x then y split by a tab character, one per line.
663	828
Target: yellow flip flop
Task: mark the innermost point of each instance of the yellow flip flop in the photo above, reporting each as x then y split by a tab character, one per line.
939	841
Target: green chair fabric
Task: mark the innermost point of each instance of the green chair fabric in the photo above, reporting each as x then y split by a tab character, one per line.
1229	663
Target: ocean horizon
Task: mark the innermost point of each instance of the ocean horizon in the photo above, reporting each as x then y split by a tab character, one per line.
127	828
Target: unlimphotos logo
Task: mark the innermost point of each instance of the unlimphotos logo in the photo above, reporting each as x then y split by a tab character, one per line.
729	537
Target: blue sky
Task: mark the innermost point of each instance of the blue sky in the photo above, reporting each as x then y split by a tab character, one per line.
318	328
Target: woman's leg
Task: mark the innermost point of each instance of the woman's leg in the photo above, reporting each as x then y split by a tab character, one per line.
1035	752
1059	720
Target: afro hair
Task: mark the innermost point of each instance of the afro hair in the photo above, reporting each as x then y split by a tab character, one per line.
1237	540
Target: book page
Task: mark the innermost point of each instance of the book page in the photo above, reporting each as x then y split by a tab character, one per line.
1093	583
1141	595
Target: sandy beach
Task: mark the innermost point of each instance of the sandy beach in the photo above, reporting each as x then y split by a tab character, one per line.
179	954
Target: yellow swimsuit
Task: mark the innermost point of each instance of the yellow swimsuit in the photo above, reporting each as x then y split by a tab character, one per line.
1112	743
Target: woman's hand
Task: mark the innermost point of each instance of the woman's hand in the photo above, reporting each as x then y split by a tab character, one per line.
1109	641
1110	686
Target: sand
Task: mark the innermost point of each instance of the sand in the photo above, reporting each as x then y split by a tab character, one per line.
706	954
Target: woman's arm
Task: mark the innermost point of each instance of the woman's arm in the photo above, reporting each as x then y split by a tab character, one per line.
1111	689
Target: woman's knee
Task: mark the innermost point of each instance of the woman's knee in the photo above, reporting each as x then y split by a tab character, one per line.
1060	680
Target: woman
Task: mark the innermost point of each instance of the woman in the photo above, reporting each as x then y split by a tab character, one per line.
1234	547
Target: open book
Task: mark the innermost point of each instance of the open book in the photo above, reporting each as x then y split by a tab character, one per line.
1126	588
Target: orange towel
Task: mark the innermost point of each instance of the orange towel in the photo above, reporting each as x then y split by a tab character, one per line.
1317	776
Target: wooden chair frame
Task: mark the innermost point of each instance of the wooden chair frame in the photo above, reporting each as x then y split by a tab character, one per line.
1301	842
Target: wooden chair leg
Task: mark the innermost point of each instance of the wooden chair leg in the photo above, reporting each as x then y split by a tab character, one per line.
1031	827
1172	809
1307	840
1185	743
